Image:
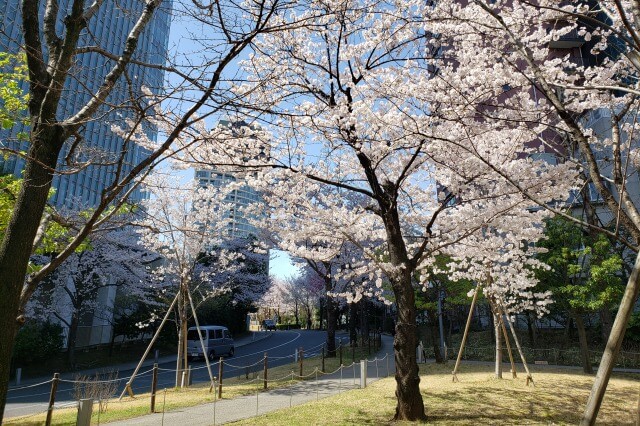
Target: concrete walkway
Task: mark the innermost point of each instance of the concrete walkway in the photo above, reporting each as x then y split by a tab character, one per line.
230	410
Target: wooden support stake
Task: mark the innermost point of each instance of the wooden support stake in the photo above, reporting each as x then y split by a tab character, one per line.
265	371
524	360
220	378
154	386
52	398
506	339
465	335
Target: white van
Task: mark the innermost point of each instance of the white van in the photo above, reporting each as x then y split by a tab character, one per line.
217	341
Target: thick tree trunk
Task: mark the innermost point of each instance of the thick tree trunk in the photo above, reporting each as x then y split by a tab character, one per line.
410	405
18	240
613	346
584	347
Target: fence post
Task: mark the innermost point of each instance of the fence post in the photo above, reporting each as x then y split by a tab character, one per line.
323	358
183	380
363	373
189	376
265	370
301	357
52	398
387	364
220	378
154	386
84	412
340	349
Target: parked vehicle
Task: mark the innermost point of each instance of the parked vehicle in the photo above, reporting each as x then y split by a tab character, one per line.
217	341
269	324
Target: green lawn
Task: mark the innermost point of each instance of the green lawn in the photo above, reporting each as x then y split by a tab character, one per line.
558	397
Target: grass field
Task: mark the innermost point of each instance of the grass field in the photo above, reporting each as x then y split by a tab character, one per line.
557	398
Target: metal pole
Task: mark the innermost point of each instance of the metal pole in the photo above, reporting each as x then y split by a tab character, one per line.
220	378
52	398
127	387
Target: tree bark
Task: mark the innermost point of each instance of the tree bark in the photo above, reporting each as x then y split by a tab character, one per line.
613	346
410	405
498	334
584	347
17	244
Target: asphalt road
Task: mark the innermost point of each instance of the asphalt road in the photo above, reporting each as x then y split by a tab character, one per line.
280	348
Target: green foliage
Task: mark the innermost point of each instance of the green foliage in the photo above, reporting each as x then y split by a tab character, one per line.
586	271
222	310
37	342
633	329
13	100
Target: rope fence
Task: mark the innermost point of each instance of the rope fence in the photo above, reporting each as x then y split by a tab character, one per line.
310	371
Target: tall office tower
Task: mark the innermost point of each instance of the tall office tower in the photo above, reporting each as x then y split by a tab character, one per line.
101	148
239	199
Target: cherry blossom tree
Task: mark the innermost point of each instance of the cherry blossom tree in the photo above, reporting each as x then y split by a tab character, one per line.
358	113
112	260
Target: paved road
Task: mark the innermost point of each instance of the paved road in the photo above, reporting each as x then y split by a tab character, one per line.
279	345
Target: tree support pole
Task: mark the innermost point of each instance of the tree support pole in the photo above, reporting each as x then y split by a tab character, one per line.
613	346
524	360
465	335
506	339
204	351
127	387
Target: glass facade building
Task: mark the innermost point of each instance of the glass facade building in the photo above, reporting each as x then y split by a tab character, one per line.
101	148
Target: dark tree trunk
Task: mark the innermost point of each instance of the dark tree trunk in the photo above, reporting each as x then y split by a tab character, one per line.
17	244
410	405
353	318
584	347
331	326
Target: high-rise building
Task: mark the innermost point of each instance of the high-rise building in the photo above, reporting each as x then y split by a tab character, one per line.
238	200
101	148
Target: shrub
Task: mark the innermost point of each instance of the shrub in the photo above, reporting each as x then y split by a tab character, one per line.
37	342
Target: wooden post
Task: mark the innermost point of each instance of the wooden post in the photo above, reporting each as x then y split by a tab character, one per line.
154	386
220	378
323	358
301	359
52	398
506	340
466	334
265	371
524	360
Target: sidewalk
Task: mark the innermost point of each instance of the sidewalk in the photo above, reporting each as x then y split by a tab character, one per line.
148	363
229	410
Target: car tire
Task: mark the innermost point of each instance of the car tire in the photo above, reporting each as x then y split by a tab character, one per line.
232	351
